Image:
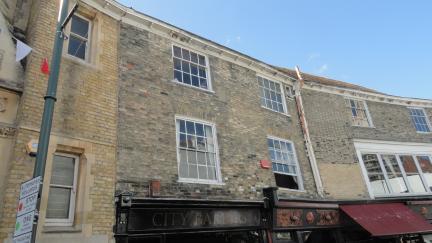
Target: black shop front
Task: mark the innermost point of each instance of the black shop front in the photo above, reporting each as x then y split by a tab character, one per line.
160	220
273	220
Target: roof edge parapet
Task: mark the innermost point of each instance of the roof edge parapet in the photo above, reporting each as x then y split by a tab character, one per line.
130	16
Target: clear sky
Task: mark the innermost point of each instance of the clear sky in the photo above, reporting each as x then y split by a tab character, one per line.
385	45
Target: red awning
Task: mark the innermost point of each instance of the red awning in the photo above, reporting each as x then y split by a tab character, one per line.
387	219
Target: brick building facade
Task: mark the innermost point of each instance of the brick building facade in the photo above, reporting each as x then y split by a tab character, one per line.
81	164
170	137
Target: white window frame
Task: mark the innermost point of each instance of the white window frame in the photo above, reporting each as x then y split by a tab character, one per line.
364	146
69	221
87	50
299	174
368	115
426	117
281	84
218	180
207	68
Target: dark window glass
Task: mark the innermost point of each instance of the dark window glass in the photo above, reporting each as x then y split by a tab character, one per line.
77	47
286	181
192	67
79	26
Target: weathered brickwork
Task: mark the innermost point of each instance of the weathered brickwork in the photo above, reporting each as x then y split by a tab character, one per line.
149	99
85	123
332	135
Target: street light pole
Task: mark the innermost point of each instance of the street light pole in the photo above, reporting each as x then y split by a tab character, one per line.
50	99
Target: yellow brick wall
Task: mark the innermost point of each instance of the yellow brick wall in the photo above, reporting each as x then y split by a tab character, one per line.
85	120
343	181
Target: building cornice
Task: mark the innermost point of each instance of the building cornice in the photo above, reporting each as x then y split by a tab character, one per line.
180	36
177	35
369	96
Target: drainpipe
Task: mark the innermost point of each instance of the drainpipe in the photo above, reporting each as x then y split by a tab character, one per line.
304	126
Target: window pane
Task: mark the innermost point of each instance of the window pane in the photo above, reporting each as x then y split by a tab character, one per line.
185	67
394	174
186	78
208	131
271	95
270	143
182	125
194	57
202	60
358	112
412	173
202	72
211	173
211	159
193	171
186	54
191	141
375	174
183	156
178	75
202	172
177	64
190	127
58	203
195	81
201	143
177	51
199	156
183	141
77	47
194	69
426	168
283	162
184	170
203	83
191	157
419	120
79	26
199	129
63	170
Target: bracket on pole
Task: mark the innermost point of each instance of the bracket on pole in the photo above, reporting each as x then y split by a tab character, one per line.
69	16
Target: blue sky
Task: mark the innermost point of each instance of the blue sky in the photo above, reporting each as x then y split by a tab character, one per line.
385	45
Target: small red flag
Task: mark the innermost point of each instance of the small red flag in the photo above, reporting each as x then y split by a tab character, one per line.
45	66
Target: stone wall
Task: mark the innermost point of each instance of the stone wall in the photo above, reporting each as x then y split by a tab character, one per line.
149	100
85	122
8	109
332	135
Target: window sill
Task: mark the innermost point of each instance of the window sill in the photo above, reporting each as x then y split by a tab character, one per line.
201	182
373	127
425	133
402	195
281	113
291	190
174	81
62	229
79	61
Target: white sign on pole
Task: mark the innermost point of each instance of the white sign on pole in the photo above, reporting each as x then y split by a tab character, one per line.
24	224
30	187
25	238
26	210
27	204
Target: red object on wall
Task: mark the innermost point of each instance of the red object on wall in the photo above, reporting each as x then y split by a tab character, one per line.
45	66
265	164
155	187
